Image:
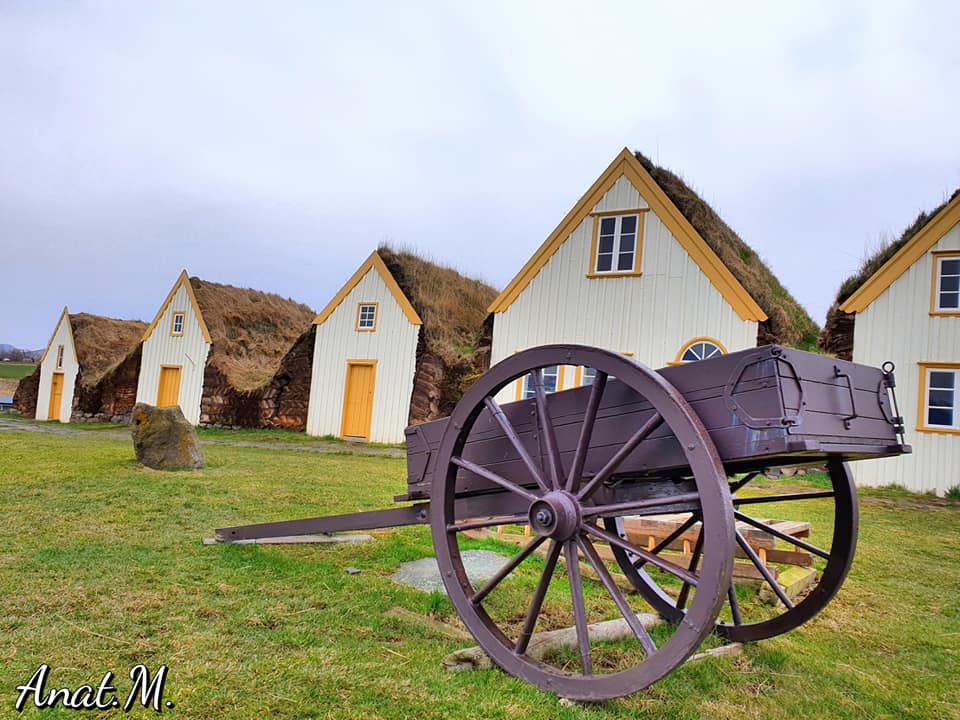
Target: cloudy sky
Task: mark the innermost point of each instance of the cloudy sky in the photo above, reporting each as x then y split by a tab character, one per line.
274	145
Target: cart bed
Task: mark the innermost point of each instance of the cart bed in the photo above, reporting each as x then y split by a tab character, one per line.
762	407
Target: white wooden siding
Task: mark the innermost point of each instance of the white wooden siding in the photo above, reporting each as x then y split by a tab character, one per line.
393	345
651	316
897	326
62	336
188	350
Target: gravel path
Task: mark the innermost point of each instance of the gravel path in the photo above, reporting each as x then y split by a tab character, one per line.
320	446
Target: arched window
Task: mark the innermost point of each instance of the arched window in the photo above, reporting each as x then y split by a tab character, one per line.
701	348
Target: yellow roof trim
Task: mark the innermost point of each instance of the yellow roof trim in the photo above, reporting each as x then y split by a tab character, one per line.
375	262
65	315
182	279
627	165
928	236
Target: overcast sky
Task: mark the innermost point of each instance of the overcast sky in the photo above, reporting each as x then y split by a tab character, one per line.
274	145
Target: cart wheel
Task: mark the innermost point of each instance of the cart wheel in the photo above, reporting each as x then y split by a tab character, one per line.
551	491
742	624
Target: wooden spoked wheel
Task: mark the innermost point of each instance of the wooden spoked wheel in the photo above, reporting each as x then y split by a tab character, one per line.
553	488
741	624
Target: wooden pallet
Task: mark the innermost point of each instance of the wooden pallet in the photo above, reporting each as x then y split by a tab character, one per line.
648	531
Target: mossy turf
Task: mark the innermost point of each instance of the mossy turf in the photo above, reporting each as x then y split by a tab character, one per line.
101	568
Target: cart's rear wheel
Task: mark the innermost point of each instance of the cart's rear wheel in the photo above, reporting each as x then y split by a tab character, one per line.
744	624
553	488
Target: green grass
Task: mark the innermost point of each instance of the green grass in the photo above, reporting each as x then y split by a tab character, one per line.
101	567
16	370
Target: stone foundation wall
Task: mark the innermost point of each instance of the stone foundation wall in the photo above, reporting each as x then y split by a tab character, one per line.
283	402
25	396
112	399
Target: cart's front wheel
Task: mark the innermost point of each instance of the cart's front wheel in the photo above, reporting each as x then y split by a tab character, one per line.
548	458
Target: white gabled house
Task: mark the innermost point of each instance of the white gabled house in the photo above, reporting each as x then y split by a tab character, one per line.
82	350
908	312
174	353
628	271
58	373
212	347
364	359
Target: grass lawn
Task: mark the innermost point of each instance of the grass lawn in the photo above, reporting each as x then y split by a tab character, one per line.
101	568
16	371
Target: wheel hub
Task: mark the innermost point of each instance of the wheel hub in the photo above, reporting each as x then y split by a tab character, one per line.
556	515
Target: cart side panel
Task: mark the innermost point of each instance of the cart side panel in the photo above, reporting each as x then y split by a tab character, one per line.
762	407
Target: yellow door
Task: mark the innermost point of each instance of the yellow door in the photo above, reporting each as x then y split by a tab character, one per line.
358	399
56	396
169	391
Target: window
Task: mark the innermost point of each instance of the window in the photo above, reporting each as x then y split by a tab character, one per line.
551	382
59	357
587	376
367	317
946	283
940	397
176	324
616	244
700	348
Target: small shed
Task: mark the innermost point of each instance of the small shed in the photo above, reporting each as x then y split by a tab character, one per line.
82	350
211	348
904	306
396	345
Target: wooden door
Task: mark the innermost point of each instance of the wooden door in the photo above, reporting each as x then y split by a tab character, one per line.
56	396
358	399
169	391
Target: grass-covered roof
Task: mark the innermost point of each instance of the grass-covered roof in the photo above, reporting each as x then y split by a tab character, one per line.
101	343
451	306
251	330
788	323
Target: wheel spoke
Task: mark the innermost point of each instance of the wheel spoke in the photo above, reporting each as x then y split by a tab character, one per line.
666	565
487	522
579	609
787	497
734	605
586	431
497	412
646	642
694	562
554	467
758	563
481	471
622	508
611	467
734	486
507	569
539	594
782	535
667	540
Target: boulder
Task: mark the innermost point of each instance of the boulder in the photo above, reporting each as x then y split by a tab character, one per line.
163	439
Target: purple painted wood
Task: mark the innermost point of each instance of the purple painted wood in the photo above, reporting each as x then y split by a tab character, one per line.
762	407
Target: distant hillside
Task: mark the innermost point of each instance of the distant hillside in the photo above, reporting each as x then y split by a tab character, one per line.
11	352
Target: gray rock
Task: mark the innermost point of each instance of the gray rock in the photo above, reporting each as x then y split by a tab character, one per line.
163	439
424	574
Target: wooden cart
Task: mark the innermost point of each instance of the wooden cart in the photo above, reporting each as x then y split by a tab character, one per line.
686	439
